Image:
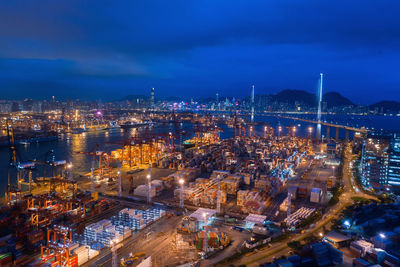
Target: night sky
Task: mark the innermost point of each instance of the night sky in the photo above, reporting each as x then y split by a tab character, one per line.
109	49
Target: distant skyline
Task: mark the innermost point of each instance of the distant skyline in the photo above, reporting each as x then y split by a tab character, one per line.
109	49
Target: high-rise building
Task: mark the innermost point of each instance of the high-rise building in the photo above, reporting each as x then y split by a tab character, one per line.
380	163
152	98
393	174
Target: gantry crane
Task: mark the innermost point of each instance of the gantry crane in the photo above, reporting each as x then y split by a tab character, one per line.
15	161
57	246
95	153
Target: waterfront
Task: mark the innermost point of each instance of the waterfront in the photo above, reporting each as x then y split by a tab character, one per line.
68	144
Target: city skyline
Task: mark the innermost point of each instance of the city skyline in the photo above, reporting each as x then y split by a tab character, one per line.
107	51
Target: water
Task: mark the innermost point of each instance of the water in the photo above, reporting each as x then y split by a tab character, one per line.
68	144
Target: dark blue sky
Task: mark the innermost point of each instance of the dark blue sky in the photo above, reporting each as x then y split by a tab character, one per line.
109	49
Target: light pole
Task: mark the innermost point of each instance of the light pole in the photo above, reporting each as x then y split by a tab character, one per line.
294	131
279	131
149	188
219	195
181	182
92	175
205	233
310	129
333	170
171	142
69	167
114	254
119	181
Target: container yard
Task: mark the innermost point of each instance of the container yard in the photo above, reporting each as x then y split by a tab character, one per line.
240	176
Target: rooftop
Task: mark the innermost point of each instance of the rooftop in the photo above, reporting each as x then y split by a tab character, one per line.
336	237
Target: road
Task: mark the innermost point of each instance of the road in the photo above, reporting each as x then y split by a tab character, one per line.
281	248
237	239
148	240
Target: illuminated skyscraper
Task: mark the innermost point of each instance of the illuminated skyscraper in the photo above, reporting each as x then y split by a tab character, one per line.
152	98
381	162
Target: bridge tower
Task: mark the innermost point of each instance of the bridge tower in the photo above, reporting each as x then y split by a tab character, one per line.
319	108
252	104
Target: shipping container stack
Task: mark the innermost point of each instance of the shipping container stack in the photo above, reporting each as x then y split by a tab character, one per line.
84	254
214	239
136	219
251	202
102	232
316	194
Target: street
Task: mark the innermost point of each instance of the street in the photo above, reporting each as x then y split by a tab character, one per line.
281	248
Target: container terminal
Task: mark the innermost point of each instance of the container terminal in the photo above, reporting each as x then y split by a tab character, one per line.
185	189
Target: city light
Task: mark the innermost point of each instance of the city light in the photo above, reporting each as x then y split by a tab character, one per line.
193	164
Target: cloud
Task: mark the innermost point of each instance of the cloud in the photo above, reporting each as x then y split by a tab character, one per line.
207	45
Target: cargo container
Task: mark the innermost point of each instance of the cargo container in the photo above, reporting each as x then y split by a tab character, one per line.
316	194
302	192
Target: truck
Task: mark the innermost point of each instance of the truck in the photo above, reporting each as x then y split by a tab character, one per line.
260	230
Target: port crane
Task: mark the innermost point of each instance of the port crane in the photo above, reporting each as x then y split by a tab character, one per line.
15	161
96	152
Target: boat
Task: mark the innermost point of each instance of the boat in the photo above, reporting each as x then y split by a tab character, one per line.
113	124
129	125
189	144
78	130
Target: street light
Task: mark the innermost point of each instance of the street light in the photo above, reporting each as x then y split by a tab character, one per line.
69	167
148	188
119	181
181	182
205	232
333	170
382	235
279	130
114	254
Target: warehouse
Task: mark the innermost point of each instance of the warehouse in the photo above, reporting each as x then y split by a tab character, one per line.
337	240
203	216
253	219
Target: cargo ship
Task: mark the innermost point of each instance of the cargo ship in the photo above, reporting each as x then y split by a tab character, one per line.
129	125
26	139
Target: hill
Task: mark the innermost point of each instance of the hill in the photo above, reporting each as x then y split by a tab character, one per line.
335	99
386	106
290	96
